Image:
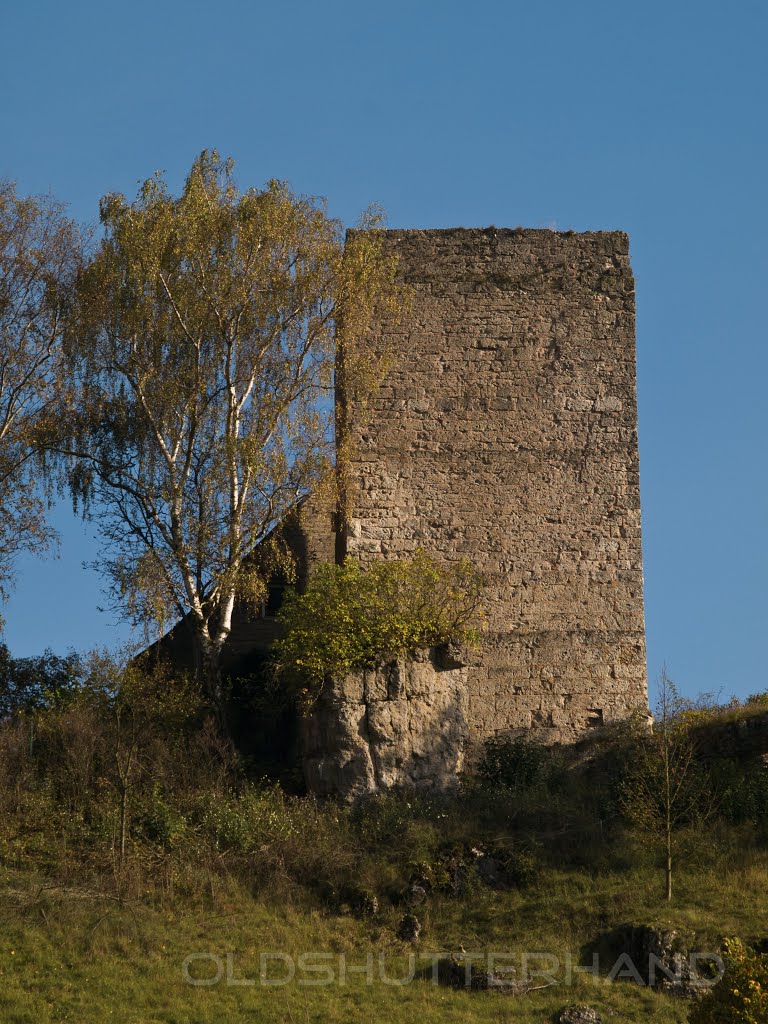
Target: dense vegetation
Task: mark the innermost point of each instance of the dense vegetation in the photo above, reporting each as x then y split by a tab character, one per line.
350	616
132	836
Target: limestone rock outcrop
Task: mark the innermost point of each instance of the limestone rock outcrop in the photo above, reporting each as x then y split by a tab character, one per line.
403	723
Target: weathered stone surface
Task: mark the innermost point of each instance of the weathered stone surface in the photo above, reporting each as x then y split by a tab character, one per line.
492	872
505	431
402	724
409	928
659	955
416	894
580	1014
666	952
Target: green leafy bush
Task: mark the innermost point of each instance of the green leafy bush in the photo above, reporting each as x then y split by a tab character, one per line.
515	763
523	868
159	822
743	792
407	824
351	617
257	818
741	997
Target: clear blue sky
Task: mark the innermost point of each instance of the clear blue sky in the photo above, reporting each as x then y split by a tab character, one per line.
649	117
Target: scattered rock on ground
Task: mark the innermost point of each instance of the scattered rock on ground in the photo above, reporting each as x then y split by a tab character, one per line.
409	928
416	894
458	972
580	1014
359	901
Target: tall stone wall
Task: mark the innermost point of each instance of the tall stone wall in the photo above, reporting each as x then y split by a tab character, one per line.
505	431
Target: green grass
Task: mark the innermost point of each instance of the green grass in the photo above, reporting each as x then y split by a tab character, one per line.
70	954
220	865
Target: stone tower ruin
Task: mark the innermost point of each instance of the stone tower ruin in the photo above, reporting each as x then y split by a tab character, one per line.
506	431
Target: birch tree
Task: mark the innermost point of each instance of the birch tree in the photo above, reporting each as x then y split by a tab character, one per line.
39	253
202	370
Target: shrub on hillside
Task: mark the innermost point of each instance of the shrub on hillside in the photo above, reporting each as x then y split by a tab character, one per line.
743	789
254	819
513	762
741	997
107	758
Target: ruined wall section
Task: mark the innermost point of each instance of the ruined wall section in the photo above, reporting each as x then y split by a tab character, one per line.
505	431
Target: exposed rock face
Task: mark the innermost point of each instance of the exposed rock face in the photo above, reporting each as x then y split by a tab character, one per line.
667	954
660	956
401	724
460	972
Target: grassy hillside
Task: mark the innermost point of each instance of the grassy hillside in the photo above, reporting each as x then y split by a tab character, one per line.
134	841
68	953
